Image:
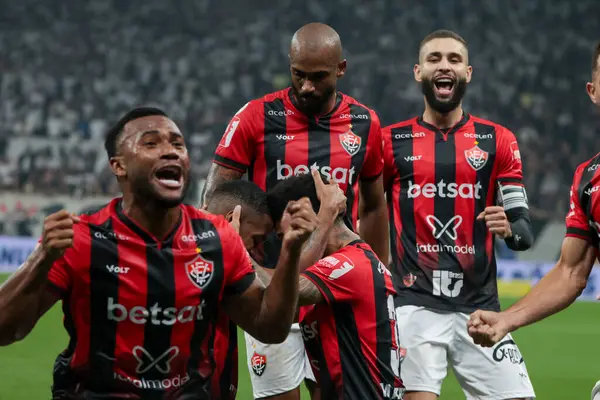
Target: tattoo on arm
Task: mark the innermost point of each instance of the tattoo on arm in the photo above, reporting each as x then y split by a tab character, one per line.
217	175
309	293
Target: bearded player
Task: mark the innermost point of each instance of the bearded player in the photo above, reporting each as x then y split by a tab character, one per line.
143	279
567	280
309	125
454	182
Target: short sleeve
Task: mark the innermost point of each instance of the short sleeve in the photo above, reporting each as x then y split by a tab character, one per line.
373	164
510	168
236	148
577	221
389	166
239	273
335	277
59	276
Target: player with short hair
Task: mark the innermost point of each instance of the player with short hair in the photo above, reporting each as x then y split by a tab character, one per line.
142	280
566	281
453	182
350	332
284	133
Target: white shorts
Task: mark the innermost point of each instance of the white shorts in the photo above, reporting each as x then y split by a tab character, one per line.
433	339
277	368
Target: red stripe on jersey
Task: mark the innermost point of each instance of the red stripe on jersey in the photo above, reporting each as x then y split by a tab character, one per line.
79	299
465	207
424	202
257	172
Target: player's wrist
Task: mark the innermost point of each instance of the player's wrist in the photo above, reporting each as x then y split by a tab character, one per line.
512	320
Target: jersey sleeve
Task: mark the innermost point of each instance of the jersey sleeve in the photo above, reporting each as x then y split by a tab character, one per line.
236	148
389	166
510	168
373	164
335	277
577	221
239	273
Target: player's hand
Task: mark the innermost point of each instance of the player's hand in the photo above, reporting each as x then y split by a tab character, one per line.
496	221
58	234
487	327
332	198
298	222
235	218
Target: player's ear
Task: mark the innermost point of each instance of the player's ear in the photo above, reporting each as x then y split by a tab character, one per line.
341	69
591	91
417	72
117	165
229	216
469	73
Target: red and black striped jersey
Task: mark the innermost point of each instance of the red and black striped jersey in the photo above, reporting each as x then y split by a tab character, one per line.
225	379
437	183
272	140
351	338
141	312
583	219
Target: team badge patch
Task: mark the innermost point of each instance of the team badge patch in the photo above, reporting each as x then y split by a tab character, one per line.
409	280
476	157
259	363
200	271
350	142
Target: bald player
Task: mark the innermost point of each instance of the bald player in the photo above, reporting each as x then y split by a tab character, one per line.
309	125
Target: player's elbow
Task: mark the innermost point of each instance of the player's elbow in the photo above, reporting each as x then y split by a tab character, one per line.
10	335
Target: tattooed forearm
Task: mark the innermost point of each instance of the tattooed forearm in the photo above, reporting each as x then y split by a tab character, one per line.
309	294
263	274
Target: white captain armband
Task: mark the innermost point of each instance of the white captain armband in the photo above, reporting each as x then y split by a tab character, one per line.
512	197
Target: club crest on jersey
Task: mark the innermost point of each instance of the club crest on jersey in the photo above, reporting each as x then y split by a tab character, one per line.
409	280
200	271
476	157
259	363
350	142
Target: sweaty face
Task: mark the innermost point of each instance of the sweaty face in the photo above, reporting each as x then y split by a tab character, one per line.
314	78
154	160
443	73
253	230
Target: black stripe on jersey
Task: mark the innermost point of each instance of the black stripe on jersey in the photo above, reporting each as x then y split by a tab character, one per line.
585	198
324	289
444	207
484	176
402	147
319	142
230	163
226	379
212	250
103	285
145	236
160	275
383	328
360	127
579	232
510	180
274	149
62	376
314	347
357	381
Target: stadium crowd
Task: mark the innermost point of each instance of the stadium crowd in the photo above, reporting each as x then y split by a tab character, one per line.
69	69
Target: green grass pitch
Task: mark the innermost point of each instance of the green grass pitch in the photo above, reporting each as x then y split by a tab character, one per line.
561	353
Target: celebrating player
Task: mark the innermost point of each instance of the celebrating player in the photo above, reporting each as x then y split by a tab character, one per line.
565	282
454	181
142	280
350	333
286	133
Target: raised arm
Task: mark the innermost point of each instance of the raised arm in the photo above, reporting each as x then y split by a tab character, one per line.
27	294
267	313
217	175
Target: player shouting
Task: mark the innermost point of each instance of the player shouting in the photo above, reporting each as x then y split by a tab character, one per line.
284	133
142	280
453	181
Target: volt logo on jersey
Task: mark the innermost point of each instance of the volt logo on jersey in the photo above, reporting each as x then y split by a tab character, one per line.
146	362
476	157
449	228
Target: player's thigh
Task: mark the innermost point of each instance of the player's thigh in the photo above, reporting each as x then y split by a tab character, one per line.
276	369
424	335
497	373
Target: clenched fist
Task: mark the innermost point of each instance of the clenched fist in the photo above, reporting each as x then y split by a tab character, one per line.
58	234
487	327
297	223
496	221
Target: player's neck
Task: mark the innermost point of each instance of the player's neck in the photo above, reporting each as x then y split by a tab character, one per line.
339	238
158	221
442	121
